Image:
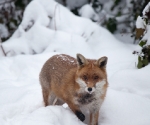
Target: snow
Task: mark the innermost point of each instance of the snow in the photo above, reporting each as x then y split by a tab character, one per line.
140	23
47	29
88	12
146	9
147	36
3	31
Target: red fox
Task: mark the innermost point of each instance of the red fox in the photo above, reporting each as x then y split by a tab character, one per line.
78	82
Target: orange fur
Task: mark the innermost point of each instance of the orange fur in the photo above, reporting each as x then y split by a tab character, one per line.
78	82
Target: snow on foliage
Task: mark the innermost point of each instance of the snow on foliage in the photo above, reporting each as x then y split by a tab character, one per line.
88	12
143	32
146	9
140	23
47	29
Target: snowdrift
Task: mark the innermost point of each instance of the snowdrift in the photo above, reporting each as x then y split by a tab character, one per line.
48	28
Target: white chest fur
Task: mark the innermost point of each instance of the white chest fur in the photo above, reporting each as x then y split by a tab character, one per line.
91	101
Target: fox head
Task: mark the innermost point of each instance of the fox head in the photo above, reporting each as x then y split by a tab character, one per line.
91	74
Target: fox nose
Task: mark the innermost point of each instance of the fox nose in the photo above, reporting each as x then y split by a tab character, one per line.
89	89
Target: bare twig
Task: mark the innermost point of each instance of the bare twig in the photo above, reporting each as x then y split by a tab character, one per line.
55	16
135	65
2	47
127	21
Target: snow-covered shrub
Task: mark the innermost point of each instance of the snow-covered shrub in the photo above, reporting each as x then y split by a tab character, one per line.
143	32
47	25
11	13
118	16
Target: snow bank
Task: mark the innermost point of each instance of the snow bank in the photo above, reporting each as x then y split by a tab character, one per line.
47	22
47	29
127	101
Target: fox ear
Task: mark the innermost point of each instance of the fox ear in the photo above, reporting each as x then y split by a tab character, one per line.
81	60
102	62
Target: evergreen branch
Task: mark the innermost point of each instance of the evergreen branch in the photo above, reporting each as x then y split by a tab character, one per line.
2	47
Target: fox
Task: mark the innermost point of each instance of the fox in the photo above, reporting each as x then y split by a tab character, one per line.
79	82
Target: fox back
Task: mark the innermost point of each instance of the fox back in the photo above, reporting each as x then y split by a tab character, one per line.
78	82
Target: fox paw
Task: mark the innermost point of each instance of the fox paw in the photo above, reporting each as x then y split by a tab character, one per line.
80	115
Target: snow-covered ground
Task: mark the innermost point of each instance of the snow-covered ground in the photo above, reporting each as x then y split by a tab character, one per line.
48	28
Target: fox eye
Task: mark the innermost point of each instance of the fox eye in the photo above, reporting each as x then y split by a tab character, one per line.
96	77
85	77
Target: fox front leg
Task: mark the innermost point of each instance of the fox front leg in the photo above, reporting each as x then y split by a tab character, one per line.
94	118
77	111
80	115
